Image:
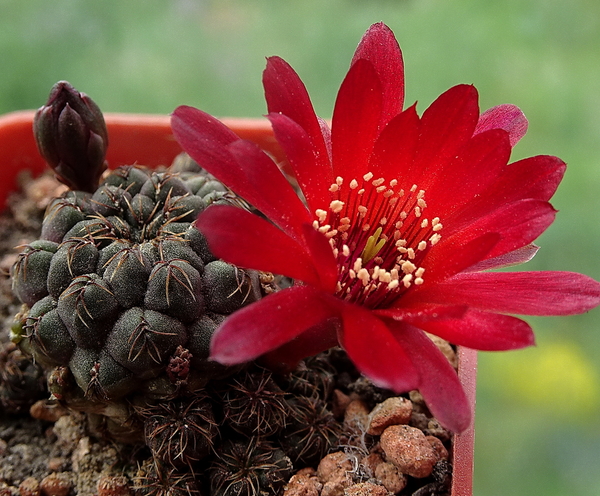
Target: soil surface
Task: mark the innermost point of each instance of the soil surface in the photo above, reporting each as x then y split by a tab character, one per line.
383	444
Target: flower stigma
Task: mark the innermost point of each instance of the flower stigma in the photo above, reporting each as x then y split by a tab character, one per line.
380	237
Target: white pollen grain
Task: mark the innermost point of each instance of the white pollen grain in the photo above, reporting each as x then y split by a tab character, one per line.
393	284
336	206
378	182
413	188
324	229
353	184
368	176
411	253
363	275
434	239
437	227
380	189
357	264
334	188
393	183
420	271
408	267
420	194
321	214
422	245
418	281
339	180
418	212
425	223
421	203
345	250
361	191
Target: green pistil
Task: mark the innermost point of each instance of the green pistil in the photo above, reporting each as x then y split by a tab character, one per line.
374	244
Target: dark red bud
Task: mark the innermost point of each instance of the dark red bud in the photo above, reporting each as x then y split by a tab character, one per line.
72	137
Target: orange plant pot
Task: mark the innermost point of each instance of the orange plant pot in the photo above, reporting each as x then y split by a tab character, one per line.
147	140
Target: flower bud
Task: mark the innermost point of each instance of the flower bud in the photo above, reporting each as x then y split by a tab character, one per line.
71	136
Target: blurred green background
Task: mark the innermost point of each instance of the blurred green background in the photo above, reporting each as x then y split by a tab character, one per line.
538	429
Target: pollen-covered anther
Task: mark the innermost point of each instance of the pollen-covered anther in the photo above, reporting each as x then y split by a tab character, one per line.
422	246
425	223
336	206
406	280
364	276
408	267
418	281
362	211
346	250
331	234
321	214
368	176
324	229
434	239
334	188
353	184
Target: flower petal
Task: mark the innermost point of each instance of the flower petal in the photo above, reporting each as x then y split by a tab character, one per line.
475	167
394	151
527	293
379	46
286	94
375	352
267	189
445	127
452	257
247	240
534	177
314	340
508	117
516	257
438	382
355	122
323	259
269	323
518	223
480	331
313	173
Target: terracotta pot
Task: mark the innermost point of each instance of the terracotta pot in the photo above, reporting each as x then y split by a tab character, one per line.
147	140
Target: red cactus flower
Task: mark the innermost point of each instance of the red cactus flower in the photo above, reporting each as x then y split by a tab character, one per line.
401	217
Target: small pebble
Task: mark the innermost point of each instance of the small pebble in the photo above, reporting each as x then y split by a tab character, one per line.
393	411
366	489
334	472
370	462
302	484
387	473
332	464
55	484
56	464
356	416
438	447
113	485
30	486
46	410
408	449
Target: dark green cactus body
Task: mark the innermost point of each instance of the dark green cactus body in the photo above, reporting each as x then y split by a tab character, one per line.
121	279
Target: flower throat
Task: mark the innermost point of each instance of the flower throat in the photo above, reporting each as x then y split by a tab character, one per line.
379	237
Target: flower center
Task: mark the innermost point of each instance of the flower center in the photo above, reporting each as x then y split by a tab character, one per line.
379	236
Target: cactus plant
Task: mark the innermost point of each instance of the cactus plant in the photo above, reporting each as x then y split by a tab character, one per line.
121	297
